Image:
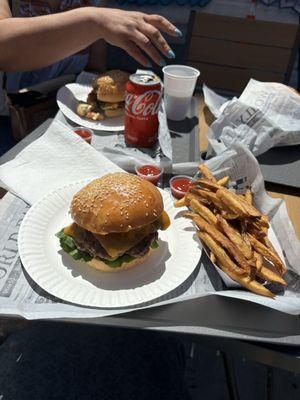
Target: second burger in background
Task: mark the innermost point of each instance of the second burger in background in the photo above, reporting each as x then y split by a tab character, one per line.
107	98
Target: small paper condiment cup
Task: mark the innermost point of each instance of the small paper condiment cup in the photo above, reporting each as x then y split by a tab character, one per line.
178	194
87	138
151	178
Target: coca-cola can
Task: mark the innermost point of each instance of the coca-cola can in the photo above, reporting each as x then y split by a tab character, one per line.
143	94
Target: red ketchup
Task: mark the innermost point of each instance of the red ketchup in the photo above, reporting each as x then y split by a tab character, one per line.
180	185
149	172
84	133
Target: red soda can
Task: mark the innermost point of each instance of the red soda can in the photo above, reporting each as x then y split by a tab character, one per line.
143	93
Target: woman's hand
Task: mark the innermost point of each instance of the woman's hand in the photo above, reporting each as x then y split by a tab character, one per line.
137	33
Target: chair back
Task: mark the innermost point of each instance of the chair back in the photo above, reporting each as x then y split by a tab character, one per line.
229	50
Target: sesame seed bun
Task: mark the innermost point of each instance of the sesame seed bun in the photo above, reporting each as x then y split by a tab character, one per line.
110	86
100	265
116	202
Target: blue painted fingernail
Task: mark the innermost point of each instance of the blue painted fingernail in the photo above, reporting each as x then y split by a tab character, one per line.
149	64
171	54
178	32
162	62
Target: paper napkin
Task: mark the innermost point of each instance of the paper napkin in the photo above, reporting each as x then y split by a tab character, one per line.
57	158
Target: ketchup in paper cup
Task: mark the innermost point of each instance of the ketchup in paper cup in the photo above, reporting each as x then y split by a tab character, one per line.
149	172
179	185
85	133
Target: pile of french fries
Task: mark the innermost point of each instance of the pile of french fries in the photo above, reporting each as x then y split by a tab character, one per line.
234	232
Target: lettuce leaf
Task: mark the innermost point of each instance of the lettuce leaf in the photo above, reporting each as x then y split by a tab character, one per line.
154	244
68	245
118	262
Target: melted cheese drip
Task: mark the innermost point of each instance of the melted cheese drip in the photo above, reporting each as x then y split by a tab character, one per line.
164	221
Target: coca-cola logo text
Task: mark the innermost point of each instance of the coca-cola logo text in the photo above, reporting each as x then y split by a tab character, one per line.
144	104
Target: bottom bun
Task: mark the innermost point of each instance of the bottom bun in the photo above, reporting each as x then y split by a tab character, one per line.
114	113
94	263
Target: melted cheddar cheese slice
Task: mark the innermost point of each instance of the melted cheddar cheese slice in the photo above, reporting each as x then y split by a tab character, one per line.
116	244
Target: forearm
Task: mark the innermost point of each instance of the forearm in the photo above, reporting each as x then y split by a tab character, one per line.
31	43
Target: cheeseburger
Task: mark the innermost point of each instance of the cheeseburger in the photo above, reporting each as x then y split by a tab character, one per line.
107	99
116	219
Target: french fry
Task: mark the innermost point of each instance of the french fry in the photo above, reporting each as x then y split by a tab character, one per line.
207	184
206	172
223	241
254	264
255	231
234	231
258	226
235	237
245	281
191	196
270	276
268	253
265	273
190	215
258	261
209	196
223	181
203	211
251	285
184	201
268	243
220	254
262	222
212	258
248	196
180	203
237	204
247	241
228	215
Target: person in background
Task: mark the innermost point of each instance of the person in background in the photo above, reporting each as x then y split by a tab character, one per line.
56	37
48	39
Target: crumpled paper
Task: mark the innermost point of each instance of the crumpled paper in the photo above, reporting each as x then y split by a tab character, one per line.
266	115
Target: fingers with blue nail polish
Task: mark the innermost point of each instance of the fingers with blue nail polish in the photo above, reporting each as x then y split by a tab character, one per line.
149	64
171	54
178	32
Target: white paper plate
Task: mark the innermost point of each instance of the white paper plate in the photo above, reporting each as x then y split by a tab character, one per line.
57	273
67	99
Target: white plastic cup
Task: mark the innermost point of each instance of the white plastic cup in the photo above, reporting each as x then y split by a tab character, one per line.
179	86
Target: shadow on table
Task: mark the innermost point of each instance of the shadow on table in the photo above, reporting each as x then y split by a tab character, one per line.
144	274
280	155
183	127
221	313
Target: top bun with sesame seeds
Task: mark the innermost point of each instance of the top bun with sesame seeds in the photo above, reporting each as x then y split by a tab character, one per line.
116	202
110	86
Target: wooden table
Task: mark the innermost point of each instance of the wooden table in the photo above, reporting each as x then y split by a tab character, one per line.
290	195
